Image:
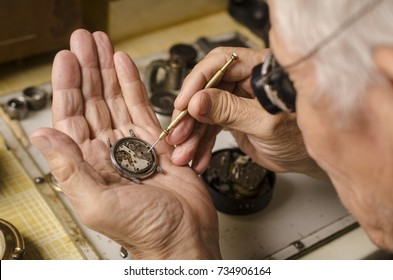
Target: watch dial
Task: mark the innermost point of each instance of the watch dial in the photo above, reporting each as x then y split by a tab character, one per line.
133	155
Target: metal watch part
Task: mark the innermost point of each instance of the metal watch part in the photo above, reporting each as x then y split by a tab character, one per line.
237	185
53	182
12	246
35	97
133	159
16	108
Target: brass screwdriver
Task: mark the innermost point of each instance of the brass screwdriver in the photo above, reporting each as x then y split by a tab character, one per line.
216	78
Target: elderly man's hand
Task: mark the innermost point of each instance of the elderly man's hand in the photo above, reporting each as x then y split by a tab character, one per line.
98	94
274	142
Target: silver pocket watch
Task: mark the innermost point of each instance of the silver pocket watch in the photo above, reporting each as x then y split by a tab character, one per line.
133	159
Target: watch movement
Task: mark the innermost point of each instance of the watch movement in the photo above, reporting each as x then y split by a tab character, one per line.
132	158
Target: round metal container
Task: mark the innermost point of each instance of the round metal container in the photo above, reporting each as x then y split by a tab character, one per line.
237	185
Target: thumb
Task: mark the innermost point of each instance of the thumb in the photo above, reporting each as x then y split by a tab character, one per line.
75	176
219	107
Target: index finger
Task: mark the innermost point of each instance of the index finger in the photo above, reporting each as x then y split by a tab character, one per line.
206	68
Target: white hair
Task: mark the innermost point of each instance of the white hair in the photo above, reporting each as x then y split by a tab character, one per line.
344	65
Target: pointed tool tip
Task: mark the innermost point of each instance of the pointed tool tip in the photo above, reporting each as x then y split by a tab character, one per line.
152	147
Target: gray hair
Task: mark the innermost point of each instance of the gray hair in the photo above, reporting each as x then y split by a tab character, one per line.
344	66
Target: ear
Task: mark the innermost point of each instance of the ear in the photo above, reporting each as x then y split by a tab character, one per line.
383	57
380	101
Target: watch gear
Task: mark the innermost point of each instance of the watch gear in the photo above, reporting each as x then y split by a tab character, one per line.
133	158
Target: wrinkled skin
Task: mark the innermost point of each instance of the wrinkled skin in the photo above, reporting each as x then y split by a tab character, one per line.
274	142
357	155
98	94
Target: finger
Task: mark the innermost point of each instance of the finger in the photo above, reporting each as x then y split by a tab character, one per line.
214	106
384	60
78	180
182	131
67	103
134	91
95	108
193	141
206	68
110	84
185	151
202	157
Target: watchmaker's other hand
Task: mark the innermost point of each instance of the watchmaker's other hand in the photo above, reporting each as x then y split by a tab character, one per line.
273	141
98	94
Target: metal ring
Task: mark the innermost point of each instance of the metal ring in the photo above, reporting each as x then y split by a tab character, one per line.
16	108
12	244
35	98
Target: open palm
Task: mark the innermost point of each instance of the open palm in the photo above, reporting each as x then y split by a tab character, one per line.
98	95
